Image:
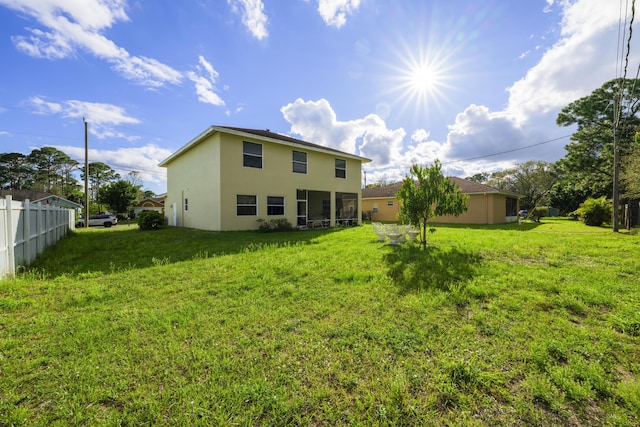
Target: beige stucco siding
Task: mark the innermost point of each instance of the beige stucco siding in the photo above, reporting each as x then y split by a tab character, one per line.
481	209
388	208
194	177
276	178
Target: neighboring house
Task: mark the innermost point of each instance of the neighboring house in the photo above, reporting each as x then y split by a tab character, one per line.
40	197
149	204
486	205
59	202
228	178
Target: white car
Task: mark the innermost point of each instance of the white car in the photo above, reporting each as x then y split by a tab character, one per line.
97	220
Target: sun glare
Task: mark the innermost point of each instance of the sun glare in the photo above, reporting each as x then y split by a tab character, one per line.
422	77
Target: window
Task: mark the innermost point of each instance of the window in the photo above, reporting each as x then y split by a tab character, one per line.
246	205
512	204
299	162
341	168
251	155
389	203
375	210
186	204
275	205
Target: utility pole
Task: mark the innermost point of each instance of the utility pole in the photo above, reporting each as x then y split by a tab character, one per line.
86	174
616	160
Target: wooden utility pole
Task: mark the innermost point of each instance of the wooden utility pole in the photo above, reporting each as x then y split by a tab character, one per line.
86	174
616	160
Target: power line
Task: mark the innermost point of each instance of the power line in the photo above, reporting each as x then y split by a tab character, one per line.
508	151
622	31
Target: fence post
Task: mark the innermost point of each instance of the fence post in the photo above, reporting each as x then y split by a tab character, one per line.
27	231
10	237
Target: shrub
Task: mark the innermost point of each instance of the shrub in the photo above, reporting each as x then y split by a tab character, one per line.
150	220
595	211
539	212
281	224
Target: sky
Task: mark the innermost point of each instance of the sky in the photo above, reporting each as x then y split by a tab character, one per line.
476	84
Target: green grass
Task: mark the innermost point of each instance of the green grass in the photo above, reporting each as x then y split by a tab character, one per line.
537	324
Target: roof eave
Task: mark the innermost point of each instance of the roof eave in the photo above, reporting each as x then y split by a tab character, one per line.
189	145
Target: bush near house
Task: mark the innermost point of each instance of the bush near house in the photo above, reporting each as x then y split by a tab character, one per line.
281	224
150	220
595	211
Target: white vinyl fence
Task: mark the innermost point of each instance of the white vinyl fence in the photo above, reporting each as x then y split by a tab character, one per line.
26	229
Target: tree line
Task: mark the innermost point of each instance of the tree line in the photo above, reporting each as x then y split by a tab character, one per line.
52	171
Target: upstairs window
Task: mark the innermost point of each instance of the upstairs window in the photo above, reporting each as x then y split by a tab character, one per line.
341	168
251	155
246	205
275	205
299	162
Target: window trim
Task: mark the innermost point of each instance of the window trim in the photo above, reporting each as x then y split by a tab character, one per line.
245	205
298	162
273	205
246	154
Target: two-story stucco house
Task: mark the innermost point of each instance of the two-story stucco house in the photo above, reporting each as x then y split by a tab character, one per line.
228	178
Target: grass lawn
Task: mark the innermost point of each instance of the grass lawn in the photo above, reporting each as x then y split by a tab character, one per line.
537	324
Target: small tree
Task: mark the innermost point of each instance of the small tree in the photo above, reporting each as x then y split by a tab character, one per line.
120	196
426	194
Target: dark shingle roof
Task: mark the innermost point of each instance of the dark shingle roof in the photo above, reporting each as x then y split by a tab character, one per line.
466	186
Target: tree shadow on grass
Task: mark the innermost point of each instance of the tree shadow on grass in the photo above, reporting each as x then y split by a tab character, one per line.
412	268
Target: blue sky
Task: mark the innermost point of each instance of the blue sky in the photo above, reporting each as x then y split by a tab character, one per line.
472	83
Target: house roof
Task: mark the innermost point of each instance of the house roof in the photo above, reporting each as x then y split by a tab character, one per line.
466	186
39	197
264	135
22	195
58	201
157	201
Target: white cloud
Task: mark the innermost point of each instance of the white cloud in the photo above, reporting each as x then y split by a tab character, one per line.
101	117
204	79
143	159
253	16
582	60
477	132
71	25
316	122
547	9
40	106
335	12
